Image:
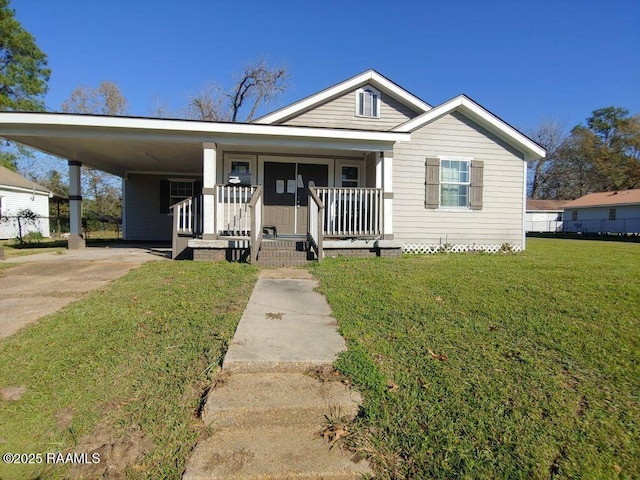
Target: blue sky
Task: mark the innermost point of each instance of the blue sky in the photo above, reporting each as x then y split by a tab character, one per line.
525	61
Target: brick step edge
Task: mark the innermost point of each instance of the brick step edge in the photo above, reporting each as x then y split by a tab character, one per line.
282	253
282	263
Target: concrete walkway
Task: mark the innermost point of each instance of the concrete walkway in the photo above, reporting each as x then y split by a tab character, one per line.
42	283
264	411
287	326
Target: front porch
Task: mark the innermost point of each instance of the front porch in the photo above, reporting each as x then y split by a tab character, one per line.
339	221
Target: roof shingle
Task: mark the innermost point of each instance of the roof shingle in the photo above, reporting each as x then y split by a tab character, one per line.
621	197
12	179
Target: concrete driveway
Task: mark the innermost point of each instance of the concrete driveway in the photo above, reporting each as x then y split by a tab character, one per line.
43	283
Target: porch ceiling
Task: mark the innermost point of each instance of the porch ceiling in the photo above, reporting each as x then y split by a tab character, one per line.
120	145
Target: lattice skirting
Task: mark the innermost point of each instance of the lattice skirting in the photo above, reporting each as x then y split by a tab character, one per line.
449	248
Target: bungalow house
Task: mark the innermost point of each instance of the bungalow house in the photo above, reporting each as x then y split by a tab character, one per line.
544	216
16	194
363	167
604	212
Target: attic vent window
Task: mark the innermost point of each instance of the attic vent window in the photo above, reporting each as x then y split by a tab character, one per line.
367	103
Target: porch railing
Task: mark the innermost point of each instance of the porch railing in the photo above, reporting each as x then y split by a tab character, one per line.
255	207
187	216
232	209
351	212
316	216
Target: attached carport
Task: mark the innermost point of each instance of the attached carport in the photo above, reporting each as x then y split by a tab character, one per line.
128	145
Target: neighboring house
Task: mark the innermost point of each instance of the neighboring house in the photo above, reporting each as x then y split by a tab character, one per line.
544	216
604	212
17	193
363	167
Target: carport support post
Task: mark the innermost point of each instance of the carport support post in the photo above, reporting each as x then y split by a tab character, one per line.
209	168
75	206
384	180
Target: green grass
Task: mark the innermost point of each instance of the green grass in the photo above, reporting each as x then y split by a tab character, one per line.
542	376
131	358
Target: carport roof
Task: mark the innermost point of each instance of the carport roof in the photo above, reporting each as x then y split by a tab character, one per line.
121	145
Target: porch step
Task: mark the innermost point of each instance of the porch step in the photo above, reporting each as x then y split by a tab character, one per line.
247	400
284	253
274	452
265	425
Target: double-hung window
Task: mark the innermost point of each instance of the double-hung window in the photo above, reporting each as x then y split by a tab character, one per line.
368	103
454	183
180	190
349	177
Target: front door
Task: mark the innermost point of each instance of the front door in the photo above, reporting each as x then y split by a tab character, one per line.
286	197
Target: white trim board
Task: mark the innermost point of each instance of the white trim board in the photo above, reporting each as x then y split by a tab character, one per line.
12	123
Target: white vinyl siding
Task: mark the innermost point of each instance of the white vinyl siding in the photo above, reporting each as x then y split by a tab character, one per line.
14	200
501	218
339	113
550	221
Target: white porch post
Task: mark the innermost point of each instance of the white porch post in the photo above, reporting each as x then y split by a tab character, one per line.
209	168
384	172
75	206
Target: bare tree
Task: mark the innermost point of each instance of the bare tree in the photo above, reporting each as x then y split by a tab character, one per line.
161	108
550	135
257	84
106	99
209	104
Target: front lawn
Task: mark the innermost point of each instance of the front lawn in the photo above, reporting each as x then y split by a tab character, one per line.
495	366
122	371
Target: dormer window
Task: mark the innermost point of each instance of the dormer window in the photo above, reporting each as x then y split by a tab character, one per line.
367	103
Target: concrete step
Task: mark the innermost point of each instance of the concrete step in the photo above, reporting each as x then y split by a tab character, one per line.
243	400
282	452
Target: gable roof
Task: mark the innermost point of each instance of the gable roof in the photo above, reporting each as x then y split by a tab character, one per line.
9	178
545	205
481	116
604	199
370	77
